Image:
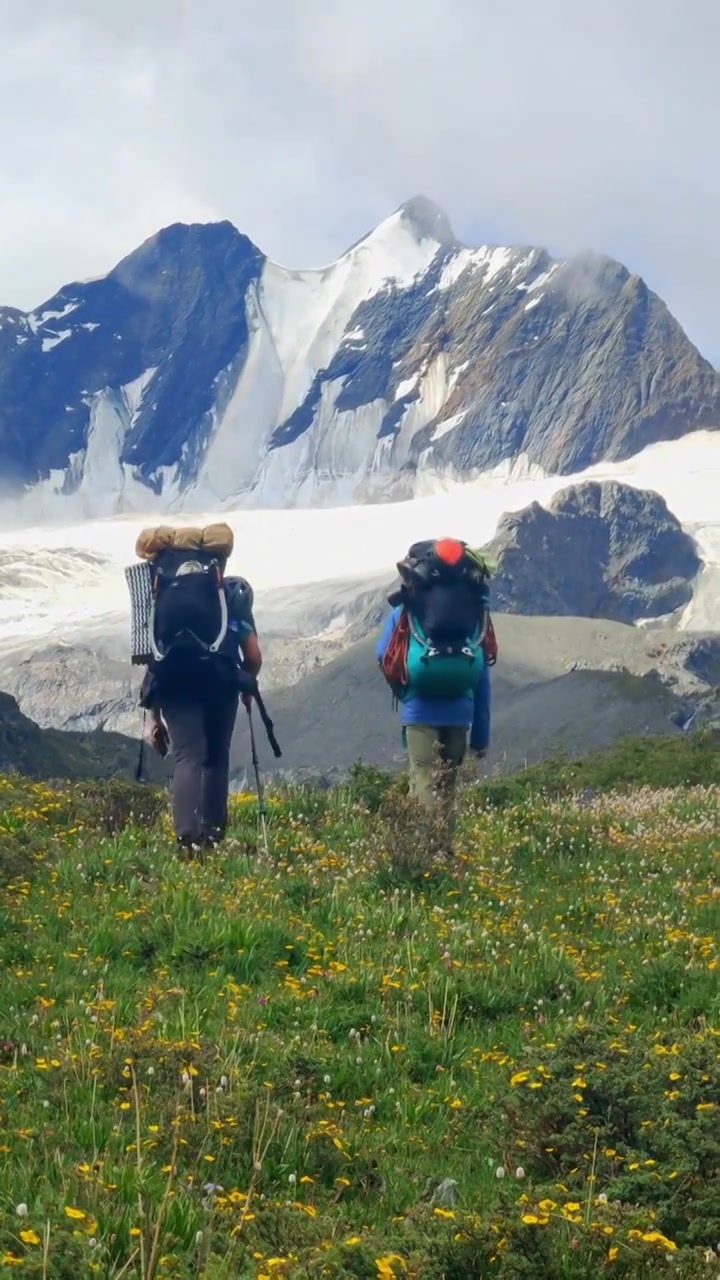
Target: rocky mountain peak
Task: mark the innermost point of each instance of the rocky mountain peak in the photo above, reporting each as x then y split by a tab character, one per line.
429	221
174	248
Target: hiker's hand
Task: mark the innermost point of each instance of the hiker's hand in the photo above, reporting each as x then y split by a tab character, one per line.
159	737
247	701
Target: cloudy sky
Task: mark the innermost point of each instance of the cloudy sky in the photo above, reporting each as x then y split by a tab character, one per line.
567	124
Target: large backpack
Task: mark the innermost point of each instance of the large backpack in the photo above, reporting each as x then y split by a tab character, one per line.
187	617
189	611
193	628
439	643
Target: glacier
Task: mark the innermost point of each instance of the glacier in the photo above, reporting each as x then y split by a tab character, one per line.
64	583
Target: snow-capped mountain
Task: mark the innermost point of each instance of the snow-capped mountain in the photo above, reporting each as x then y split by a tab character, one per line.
198	374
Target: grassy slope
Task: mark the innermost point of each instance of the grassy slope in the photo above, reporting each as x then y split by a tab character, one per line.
343	711
254	1068
665	761
54	753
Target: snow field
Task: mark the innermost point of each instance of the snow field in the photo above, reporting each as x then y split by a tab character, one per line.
50	590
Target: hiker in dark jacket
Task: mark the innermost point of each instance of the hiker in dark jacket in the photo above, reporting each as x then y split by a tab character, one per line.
199	721
436	729
193	706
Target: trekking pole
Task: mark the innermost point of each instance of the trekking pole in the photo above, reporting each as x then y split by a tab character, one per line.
267	722
141	753
258	783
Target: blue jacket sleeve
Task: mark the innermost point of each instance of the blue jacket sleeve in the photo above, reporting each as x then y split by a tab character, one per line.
385	634
480	731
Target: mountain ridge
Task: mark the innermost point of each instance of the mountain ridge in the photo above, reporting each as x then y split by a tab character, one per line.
198	373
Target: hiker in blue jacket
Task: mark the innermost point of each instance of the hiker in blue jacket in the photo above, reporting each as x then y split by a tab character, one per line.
438	724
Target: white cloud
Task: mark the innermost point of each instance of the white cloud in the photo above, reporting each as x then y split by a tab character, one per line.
574	125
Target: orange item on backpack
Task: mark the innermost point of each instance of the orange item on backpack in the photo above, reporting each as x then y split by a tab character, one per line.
394	662
449	550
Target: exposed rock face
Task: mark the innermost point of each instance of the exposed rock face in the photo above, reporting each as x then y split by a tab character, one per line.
82	688
172	314
198	373
560	682
601	550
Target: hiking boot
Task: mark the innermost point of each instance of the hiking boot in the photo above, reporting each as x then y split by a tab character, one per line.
190	850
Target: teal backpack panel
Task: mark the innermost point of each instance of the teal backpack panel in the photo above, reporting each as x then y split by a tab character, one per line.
438	673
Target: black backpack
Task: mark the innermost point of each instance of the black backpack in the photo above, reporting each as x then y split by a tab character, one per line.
193	621
448	598
194	628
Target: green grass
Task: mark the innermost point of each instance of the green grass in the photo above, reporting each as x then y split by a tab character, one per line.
678	760
663	761
265	1066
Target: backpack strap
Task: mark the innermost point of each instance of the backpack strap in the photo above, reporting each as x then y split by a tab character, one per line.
419	635
489	641
158	655
223	619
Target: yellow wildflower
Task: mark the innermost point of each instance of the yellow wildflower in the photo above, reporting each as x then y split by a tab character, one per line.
390	1266
519	1078
654	1237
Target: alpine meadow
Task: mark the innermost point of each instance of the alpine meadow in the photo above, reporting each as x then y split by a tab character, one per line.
359	640
330	1028
347	1058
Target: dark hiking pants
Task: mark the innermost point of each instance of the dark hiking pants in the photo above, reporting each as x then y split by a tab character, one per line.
200	735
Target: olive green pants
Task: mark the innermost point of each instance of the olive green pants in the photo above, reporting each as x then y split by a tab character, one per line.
434	757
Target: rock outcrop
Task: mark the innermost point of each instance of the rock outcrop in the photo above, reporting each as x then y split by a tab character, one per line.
600	550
